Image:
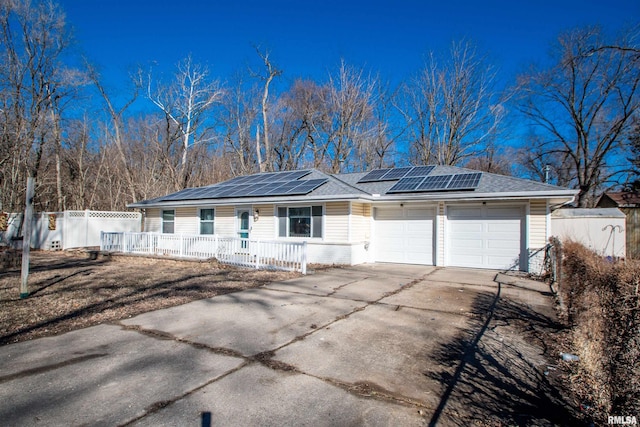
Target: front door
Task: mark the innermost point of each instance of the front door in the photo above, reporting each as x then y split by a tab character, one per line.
243	225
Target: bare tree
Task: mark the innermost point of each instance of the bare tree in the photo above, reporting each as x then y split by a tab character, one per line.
237	116
378	150
583	105
33	38
271	72
185	103
451	109
117	128
492	161
633	178
348	119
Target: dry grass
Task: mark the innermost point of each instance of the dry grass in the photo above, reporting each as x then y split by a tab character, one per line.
604	313
71	291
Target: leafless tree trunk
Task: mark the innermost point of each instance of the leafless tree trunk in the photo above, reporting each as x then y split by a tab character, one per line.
185	103
117	125
582	106
237	116
271	73
32	38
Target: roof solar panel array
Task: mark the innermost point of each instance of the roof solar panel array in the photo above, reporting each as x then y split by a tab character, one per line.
465	181
434	183
462	181
378	175
258	185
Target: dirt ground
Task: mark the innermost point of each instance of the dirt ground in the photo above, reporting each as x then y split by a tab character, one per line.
69	291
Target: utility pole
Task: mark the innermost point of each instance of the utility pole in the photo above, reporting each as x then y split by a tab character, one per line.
26	237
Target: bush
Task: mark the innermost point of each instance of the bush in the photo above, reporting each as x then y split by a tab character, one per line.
603	310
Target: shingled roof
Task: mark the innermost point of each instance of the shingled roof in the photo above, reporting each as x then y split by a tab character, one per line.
620	199
312	184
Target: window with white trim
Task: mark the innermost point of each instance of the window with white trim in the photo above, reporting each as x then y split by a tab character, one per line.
168	221
303	221
207	217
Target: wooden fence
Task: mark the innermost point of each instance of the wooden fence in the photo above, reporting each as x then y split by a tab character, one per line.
276	255
633	231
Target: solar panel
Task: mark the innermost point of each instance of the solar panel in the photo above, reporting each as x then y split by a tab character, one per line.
374	175
180	195
396	173
434	183
263	177
234	181
284	186
276	189
406	185
464	181
306	186
233	190
420	171
199	192
378	175
263	184
254	189
291	176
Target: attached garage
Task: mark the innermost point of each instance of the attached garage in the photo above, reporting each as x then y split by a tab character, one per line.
484	236
404	235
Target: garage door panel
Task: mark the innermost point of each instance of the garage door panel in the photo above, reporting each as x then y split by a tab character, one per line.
503	245
504	227
466	243
503	212
456	212
420	229
484	236
467	227
404	235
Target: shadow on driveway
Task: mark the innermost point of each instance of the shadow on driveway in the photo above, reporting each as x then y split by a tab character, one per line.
500	379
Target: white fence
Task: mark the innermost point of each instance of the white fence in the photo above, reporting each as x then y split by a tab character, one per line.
277	255
601	229
69	229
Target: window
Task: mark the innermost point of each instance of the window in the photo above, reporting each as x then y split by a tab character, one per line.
168	221
206	221
300	221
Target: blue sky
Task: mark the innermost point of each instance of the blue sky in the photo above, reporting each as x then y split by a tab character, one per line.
307	38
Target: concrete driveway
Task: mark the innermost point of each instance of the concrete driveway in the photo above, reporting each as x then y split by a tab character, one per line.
366	345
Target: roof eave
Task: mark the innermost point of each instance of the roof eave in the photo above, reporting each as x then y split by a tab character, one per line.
249	201
558	196
518	195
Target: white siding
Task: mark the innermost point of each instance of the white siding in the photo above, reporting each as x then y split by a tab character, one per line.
187	221
264	227
440	234
537	224
153	221
360	222
336	222
224	223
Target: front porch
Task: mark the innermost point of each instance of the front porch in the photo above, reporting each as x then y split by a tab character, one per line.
259	254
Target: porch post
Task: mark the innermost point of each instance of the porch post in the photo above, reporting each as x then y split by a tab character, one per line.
304	257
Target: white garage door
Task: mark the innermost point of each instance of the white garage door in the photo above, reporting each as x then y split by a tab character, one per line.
484	236
404	235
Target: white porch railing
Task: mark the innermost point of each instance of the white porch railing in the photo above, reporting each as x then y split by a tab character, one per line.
277	255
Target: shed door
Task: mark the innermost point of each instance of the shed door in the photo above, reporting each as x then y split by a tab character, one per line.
484	236
404	235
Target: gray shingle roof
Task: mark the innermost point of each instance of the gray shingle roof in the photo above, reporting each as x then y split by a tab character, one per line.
346	186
